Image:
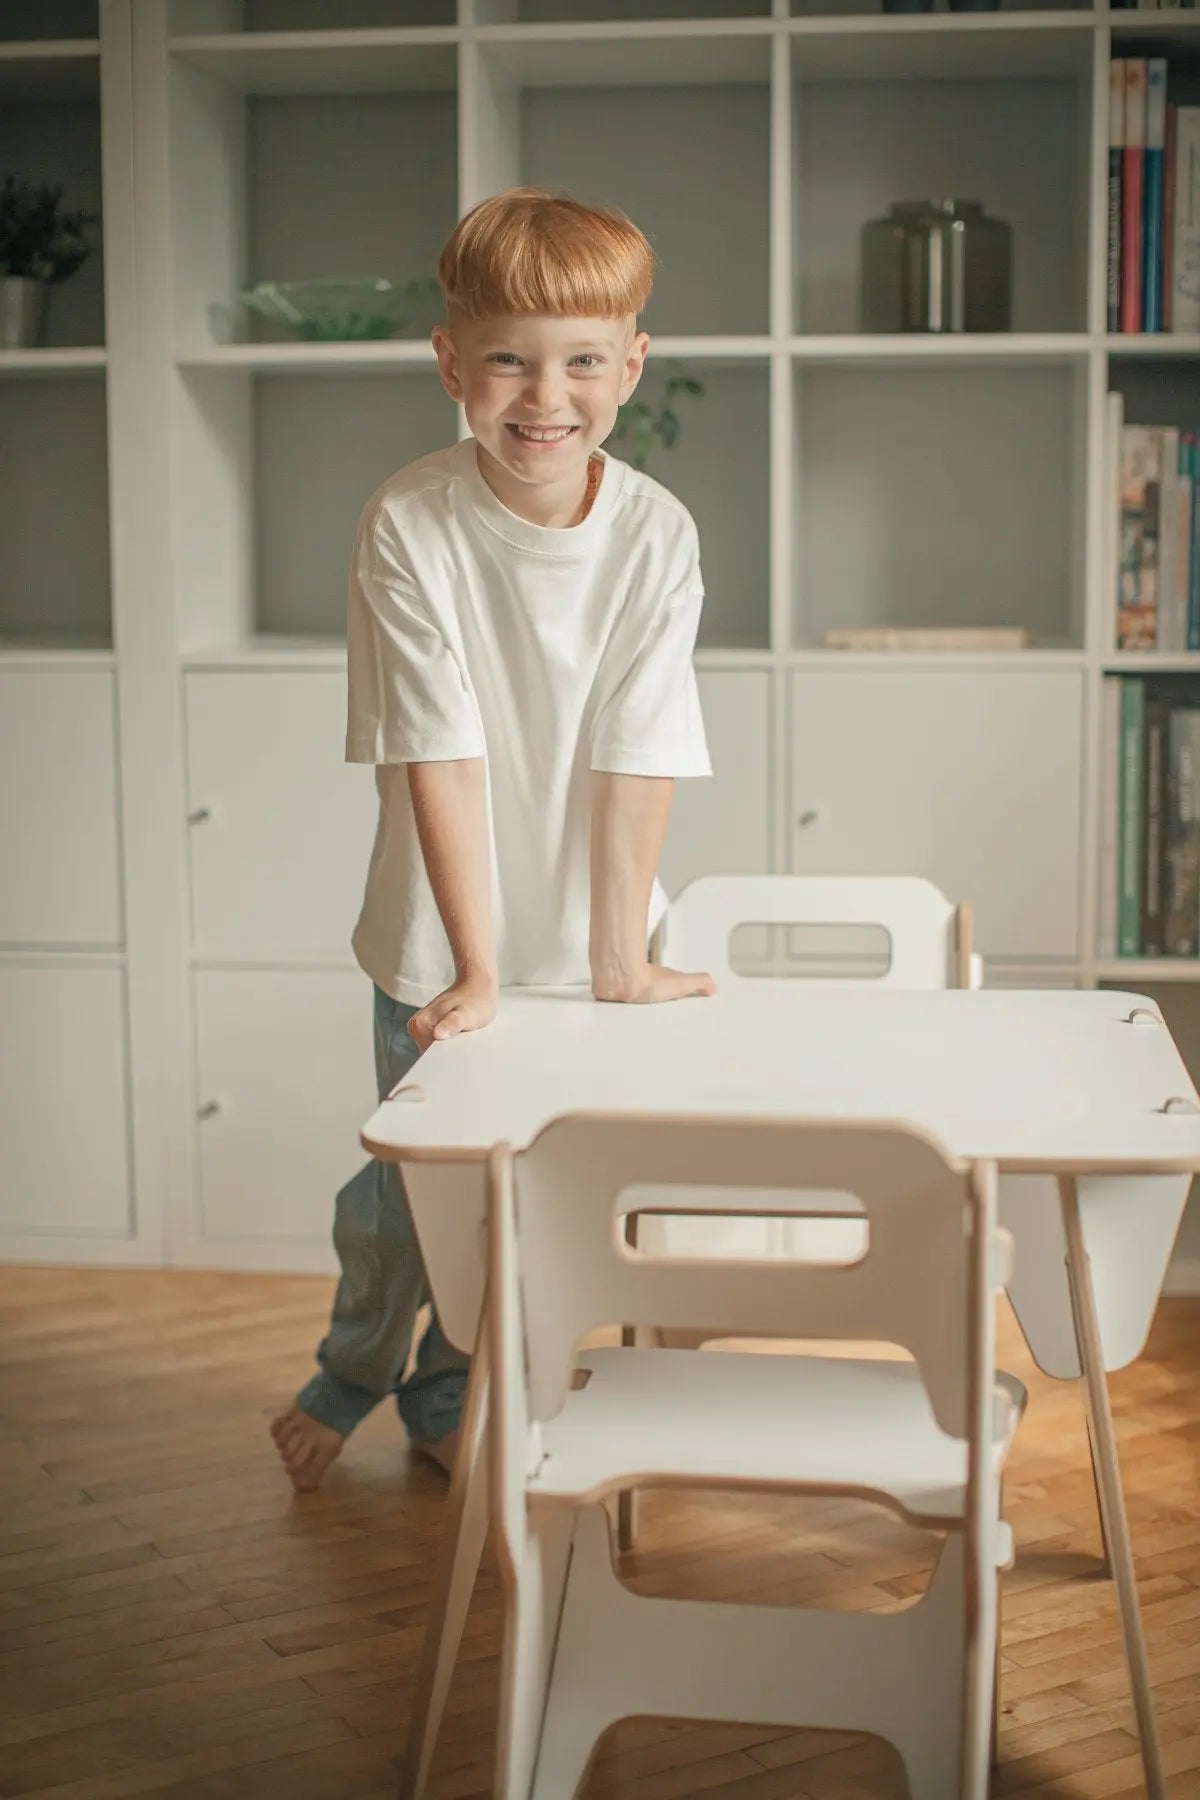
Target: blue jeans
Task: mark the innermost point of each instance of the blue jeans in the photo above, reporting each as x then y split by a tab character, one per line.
363	1355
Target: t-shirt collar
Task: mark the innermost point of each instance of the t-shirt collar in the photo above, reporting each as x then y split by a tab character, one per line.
547	540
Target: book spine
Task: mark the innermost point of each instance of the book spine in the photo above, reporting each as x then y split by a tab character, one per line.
1132	188
1154	764
1194	556
1172	617
1110	813
1116	151
1183	539
1137	607
1114	427
1185	252
1182	833
1152	193
1129	906
1168	215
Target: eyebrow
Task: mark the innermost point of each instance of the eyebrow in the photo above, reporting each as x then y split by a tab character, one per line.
579	344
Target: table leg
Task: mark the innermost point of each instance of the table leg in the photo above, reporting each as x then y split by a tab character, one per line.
1114	1522
1106	1567
463	1532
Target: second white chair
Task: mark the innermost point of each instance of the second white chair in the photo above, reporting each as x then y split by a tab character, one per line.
929	1438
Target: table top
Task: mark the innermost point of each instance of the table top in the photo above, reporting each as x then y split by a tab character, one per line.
1039	1080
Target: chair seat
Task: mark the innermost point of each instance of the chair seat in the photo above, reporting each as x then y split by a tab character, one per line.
805	1421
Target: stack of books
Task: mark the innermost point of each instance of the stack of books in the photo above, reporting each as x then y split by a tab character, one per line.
1154	476
1150	818
1153	277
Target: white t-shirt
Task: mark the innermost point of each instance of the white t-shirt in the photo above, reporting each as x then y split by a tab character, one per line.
549	652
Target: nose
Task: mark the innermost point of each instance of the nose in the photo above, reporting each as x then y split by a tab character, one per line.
543	394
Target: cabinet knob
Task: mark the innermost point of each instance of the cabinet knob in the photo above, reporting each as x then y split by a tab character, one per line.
209	1110
199	815
808	817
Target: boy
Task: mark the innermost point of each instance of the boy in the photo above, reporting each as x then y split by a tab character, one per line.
523	610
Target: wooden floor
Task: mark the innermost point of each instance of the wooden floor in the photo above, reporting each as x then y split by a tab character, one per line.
173	1622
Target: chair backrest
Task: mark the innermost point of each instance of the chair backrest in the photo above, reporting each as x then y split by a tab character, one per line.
930	937
560	1267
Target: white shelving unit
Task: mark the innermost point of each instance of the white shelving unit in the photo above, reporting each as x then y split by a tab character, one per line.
186	486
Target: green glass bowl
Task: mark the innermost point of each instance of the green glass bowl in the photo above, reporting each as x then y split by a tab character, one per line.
330	309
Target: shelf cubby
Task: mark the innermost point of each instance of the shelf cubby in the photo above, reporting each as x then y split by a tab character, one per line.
719	468
50	132
288	170
54	512
1004	118
940	496
650	134
277	470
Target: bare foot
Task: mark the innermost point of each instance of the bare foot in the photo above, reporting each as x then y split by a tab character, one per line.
441	1450
306	1446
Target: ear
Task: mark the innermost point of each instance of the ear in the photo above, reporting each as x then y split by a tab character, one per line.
447	357
635	357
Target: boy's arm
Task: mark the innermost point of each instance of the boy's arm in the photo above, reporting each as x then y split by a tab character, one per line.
450	809
629	822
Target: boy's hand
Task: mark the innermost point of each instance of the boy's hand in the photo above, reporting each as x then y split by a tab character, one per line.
467	1006
649	984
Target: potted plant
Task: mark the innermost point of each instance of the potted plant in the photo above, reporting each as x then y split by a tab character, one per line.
640	427
41	242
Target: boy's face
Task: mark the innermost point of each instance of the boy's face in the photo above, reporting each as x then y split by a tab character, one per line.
539	371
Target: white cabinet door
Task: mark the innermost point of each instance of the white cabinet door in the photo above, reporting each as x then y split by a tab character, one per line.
720	824
285	1078
970	777
64	1108
281	827
58	808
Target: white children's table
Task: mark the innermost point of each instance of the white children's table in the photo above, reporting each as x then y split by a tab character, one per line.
1081	1098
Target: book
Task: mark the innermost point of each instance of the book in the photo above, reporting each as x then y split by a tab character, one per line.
1110	809
1185	224
1132	188
1154	798
1192	452
1152	193
1181	873
1172	598
1137	597
927	637
1168	278
1116	150
1129	851
1114	433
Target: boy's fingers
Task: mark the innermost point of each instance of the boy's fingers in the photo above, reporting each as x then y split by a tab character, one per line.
449	1025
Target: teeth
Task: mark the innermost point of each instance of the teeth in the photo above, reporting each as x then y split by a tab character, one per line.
560	431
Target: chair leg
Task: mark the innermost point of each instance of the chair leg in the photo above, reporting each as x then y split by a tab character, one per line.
463	1532
627	1506
1108	1472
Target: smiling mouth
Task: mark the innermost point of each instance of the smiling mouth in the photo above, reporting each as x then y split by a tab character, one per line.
547	435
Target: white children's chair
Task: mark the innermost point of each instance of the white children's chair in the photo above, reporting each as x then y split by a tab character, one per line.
928	1438
929	939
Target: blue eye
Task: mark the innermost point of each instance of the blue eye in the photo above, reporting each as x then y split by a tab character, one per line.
499	356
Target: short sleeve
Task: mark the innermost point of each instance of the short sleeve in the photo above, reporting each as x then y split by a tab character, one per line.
650	723
407	698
